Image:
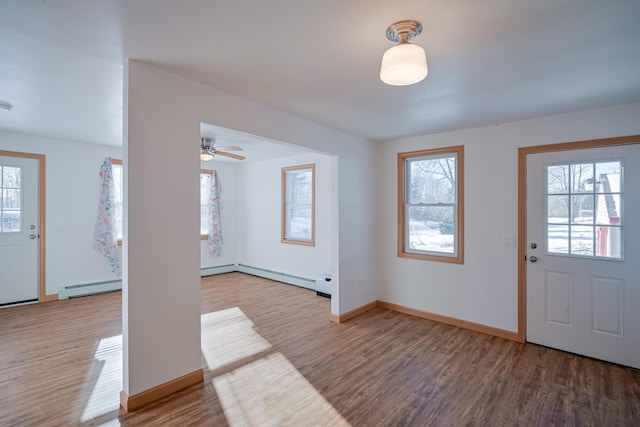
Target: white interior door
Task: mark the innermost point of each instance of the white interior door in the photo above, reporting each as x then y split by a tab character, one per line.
19	234
583	252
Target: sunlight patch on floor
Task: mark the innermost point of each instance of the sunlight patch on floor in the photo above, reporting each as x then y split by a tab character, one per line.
105	393
272	392
228	336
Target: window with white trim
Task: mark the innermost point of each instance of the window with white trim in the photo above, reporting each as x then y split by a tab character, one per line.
298	198
10	199
430	204
584	209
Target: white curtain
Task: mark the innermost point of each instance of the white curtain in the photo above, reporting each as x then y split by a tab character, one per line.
104	235
215	230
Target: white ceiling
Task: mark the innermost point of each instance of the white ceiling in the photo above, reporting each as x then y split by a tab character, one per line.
490	61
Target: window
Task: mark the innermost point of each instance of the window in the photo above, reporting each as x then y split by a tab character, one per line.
298	210
205	197
584	209
206	176
10	199
430	205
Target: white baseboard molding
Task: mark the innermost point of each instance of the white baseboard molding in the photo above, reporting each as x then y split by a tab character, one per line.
302	282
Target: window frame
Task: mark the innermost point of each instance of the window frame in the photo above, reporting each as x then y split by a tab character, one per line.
284	205
458	256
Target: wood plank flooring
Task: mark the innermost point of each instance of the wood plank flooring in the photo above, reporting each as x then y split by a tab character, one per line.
271	357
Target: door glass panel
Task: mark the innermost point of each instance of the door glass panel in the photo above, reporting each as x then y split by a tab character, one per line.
581	240
582	209
558	179
581	177
587	195
558	209
10	199
558	239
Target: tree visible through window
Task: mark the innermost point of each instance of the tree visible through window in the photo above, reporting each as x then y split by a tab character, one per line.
430	204
298	197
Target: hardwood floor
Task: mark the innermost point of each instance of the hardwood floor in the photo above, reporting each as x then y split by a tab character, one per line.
271	357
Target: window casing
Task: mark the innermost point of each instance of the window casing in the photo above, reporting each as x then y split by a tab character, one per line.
298	205
431	205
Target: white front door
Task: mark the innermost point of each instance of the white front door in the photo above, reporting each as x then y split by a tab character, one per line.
19	234
583	252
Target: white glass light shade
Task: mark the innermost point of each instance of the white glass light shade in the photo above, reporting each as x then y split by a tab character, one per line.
205	156
404	64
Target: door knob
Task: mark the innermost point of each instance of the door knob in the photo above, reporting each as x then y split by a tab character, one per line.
32	236
533	258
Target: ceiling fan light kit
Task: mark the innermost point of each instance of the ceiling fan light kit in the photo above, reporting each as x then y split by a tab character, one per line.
208	151
405	63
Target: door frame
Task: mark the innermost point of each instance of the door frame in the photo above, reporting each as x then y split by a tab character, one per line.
42	294
522	209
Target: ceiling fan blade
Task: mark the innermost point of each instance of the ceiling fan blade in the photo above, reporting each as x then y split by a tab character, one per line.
233	156
230	148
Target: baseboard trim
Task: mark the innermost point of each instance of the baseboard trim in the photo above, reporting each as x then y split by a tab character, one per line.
465	324
137	401
339	318
48	298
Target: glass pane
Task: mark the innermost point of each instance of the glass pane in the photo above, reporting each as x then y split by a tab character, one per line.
608	175
582	209
432	180
299	223
117	198
608	242
582	240
10	199
11	221
558	209
205	188
582	178
204	219
608	209
11	177
558	238
558	179
300	186
431	229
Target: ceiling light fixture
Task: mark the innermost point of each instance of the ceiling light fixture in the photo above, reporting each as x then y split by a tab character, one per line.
404	64
206	149
5	105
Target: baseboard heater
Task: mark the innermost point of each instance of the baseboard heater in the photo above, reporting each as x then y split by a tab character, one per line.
218	269
71	291
303	282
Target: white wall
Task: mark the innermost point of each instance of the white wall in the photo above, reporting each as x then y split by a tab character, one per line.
228	177
259	190
168	272
484	289
72	192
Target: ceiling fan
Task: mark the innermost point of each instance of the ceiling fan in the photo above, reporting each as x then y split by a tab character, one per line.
208	151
